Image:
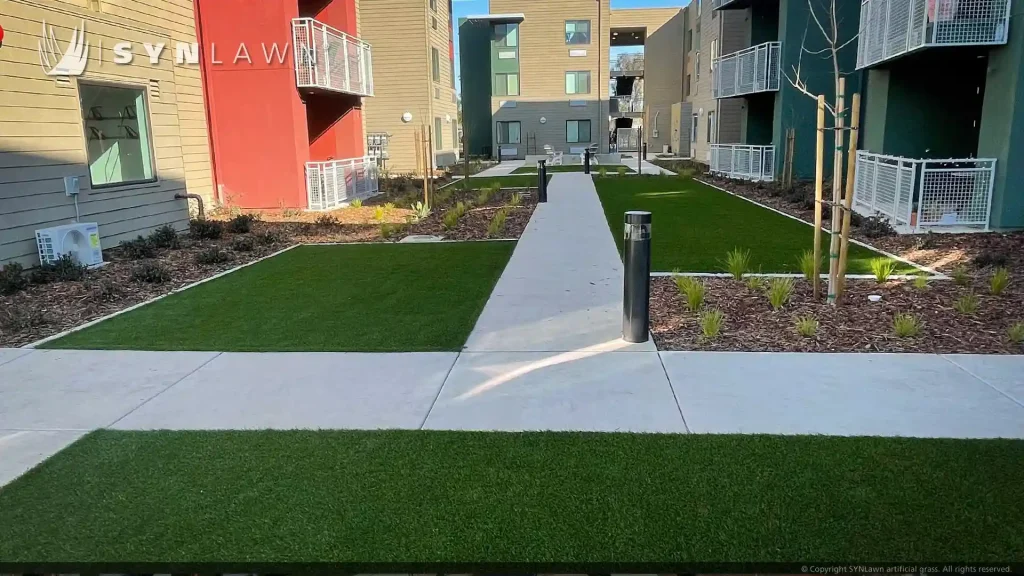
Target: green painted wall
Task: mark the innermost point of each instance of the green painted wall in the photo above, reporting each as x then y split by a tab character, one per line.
475	67
760	118
764	22
1002	125
794	109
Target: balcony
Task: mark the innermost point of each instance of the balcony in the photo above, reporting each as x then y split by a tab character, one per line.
722	4
334	183
626	106
891	28
925	193
329	59
744	162
752	70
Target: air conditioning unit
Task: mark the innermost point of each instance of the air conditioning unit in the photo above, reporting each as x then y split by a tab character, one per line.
81	241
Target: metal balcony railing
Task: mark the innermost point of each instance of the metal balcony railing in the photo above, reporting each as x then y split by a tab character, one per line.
328	58
717	4
333	183
924	193
751	70
626	105
744	162
890	28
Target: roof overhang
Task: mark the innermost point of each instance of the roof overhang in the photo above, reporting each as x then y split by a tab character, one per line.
498	18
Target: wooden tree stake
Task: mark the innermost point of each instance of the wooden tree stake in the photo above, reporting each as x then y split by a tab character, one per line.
837	196
819	184
851	172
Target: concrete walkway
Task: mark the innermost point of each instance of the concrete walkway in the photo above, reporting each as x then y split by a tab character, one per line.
503	169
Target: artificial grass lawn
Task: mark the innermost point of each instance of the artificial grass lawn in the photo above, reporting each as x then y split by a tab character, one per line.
594	169
695	225
420	496
374	297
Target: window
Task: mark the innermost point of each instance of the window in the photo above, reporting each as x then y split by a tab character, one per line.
696	66
689	86
711	126
577	131
433	5
508	133
117	134
506	84
433	22
689	40
438	135
455	135
698	7
577	31
506	35
435	64
451	66
714	53
694	126
577	82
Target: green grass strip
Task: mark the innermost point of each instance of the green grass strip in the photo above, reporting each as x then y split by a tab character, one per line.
695	225
478	183
417	496
594	169
374	298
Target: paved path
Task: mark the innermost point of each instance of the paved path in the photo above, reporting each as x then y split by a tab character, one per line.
503	169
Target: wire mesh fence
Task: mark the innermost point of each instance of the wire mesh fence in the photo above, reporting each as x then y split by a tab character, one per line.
744	162
331	184
328	58
754	69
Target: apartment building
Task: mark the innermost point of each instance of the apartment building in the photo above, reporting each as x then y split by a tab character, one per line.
540	75
414	64
130	137
285	85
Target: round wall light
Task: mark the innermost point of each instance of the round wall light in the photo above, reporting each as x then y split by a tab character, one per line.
407	117
543	120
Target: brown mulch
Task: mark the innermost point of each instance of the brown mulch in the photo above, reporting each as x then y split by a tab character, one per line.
40	311
856	325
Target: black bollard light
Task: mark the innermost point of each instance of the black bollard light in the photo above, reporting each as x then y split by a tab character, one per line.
542	183
636	294
586	161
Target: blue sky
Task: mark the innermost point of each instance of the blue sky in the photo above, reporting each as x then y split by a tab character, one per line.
465	8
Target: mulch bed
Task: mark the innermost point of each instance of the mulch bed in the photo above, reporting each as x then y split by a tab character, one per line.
856	325
44	310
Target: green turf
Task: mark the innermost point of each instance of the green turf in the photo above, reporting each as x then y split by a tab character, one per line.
419	496
695	225
375	297
502	181
574	168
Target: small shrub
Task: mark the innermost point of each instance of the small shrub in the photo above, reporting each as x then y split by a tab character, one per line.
265	238
921	281
212	256
906	325
242	224
602	172
966	304
326	221
357	203
451	219
516	200
64	269
807	326
999	281
165	237
856	220
737	262
107	290
497	226
15	319
291	213
882	268
693	290
380	213
420	211
389	206
484	196
876	227
389	231
711	322
780	290
11	278
755	283
991	258
151	272
806	261
244	244
138	249
960	275
205	229
1016	333
621	171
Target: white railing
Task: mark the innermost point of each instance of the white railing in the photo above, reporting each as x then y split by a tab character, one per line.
743	162
330	59
754	69
889	28
626	105
333	183
922	193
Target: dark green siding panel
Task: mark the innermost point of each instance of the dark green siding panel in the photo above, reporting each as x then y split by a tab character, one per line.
475	65
764	22
760	118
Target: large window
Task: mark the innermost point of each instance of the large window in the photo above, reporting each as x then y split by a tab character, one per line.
577	31
506	84
577	82
509	133
694	126
711	126
117	134
577	131
506	35
438	134
435	64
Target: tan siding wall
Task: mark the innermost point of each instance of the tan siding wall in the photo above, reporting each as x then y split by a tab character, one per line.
42	137
543	61
444	106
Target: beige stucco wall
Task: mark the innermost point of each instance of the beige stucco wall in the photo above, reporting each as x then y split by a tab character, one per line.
42	137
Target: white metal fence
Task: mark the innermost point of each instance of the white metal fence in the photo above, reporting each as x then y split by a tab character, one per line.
889	28
922	193
743	162
754	69
328	58
335	182
627	139
626	105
